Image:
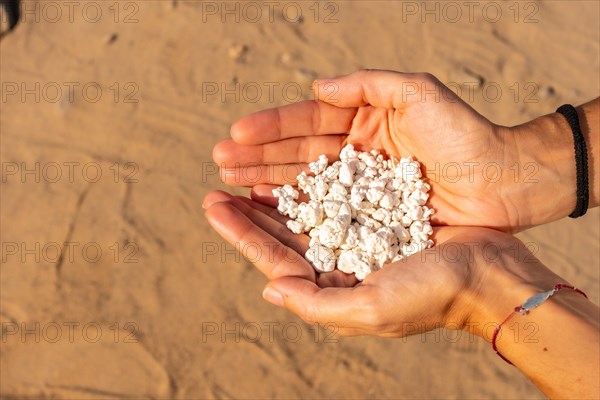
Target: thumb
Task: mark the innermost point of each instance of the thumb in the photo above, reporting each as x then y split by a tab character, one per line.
379	88
354	307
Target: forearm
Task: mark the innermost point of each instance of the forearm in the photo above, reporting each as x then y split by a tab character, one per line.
544	148
556	345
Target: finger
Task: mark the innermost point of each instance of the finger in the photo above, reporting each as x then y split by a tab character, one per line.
260	174
228	153
306	118
276	229
270	211
264	194
268	254
267	218
379	88
216	196
354	307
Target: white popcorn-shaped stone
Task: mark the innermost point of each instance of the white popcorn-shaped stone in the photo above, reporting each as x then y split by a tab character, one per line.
376	191
311	213
427	213
370	161
351	239
347	174
370	172
406	221
331	236
337	191
357	195
409	201
342	221
415	213
295	226
321	188
348	153
286	191
386	175
388	200
360	168
322	258
286	196
380	242
420	231
346	262
415	228
397	214
379	261
408	169
366	207
363	182
332	207
355	262
345	209
363	232
382	215
319	166
305	181
289	206
418	197
402	234
332	172
397	184
365	220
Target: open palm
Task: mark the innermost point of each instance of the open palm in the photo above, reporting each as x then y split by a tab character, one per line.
420	293
401	114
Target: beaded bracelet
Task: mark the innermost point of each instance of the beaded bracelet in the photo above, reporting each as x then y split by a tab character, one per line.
531	303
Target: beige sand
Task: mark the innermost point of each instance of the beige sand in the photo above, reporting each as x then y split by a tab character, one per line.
179	291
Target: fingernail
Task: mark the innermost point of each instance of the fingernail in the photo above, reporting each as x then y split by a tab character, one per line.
273	297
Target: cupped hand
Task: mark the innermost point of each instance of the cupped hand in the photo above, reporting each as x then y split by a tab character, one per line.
444	286
401	114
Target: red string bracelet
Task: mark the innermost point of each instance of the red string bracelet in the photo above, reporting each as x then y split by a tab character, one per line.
531	303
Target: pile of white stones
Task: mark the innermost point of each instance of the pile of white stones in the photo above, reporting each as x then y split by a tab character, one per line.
364	211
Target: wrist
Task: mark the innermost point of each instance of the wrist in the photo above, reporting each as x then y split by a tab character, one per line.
501	280
546	188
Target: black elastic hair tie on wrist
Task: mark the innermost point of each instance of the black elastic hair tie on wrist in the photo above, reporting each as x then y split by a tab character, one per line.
581	160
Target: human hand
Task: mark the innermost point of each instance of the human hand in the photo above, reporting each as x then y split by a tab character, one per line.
372	109
435	288
482	174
